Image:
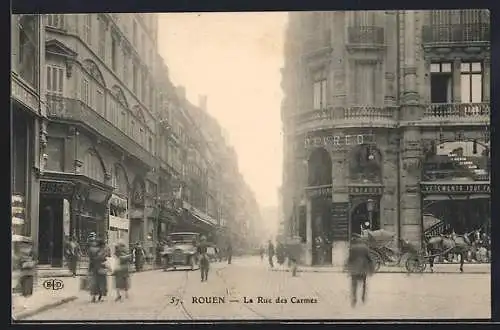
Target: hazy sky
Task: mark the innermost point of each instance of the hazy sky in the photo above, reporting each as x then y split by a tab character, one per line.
234	59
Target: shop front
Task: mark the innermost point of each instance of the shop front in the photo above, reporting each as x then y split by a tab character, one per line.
118	229
137	213
70	205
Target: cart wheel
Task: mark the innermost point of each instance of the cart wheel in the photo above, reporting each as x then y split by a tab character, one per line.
377	261
415	264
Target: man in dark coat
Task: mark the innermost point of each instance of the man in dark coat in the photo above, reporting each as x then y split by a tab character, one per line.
97	269
270	253
139	256
229	252
72	254
359	264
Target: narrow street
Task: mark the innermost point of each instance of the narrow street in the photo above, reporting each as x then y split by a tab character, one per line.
154	296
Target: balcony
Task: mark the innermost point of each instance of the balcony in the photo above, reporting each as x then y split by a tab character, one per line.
477	34
71	110
466	113
365	37
354	116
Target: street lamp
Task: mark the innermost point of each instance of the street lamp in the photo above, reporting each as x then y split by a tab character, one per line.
369	208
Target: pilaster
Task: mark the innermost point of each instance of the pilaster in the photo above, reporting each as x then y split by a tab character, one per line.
309	236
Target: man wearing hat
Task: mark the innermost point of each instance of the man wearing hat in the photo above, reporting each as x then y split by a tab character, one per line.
359	264
204	261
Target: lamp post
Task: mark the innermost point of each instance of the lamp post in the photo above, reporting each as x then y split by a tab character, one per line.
369	208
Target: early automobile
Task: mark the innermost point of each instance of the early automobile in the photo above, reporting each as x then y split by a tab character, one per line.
180	251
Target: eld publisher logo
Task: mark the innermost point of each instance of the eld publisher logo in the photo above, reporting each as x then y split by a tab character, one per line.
53	284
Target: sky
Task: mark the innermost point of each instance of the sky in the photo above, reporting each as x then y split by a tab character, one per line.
234	59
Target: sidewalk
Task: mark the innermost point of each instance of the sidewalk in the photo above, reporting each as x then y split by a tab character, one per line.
44	299
438	268
81	271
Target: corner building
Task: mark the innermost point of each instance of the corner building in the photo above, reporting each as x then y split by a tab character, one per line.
386	120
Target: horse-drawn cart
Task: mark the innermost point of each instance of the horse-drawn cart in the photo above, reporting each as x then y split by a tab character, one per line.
385	251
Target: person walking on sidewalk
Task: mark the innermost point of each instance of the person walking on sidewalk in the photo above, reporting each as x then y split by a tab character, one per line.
72	254
359	264
270	253
139	257
202	250
121	271
229	252
97	270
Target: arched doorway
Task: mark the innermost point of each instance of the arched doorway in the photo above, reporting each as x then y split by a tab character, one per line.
320	174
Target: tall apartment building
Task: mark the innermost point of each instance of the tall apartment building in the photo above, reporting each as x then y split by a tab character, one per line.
386	121
102	140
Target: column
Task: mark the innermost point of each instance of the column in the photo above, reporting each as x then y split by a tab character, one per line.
410	94
486	80
309	242
455	69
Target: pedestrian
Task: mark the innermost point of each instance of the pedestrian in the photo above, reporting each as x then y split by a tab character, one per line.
270	253
97	270
26	264
72	254
139	256
121	271
229	252
359	264
202	250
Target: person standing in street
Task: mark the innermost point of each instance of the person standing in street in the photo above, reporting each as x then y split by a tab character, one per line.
270	253
359	264
202	250
139	256
72	254
229	252
27	266
121	271
97	269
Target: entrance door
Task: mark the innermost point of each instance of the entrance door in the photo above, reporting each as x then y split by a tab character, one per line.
322	235
360	215
50	235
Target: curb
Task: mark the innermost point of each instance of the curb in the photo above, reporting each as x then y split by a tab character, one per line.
24	315
85	274
378	272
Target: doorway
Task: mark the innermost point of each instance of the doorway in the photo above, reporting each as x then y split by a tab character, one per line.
321	230
360	215
50	234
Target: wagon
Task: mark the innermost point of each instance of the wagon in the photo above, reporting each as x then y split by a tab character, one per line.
385	250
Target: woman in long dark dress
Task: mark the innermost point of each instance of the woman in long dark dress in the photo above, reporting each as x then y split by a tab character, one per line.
97	270
121	272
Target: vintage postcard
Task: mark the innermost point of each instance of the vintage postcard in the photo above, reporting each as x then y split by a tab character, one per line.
251	166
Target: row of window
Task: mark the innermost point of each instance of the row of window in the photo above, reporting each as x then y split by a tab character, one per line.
367	77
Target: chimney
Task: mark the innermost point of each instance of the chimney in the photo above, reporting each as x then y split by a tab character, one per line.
202	102
181	92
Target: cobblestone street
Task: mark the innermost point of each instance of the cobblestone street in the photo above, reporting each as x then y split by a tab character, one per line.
391	295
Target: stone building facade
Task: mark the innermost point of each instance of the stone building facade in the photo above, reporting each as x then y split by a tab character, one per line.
379	106
113	151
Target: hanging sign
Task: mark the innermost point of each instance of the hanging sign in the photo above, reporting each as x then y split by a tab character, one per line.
456	188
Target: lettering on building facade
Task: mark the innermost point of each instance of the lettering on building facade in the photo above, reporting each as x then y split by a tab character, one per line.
337	140
365	190
56	188
456	188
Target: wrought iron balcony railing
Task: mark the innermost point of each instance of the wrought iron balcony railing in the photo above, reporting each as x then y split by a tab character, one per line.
77	111
456	33
365	35
360	112
458	110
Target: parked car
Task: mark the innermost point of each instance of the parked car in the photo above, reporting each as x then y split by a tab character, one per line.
181	251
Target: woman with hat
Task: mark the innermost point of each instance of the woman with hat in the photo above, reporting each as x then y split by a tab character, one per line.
97	269
121	271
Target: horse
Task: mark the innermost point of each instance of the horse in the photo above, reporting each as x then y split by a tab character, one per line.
457	244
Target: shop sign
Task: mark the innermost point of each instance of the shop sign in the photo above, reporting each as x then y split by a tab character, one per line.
117	222
337	140
456	188
56	188
365	190
319	191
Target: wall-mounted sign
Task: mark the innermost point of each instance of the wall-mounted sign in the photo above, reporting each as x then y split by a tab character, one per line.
457	188
338	140
365	190
319	191
340	221
56	188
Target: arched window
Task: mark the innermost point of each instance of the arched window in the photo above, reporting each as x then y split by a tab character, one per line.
319	168
365	164
97	99
92	166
